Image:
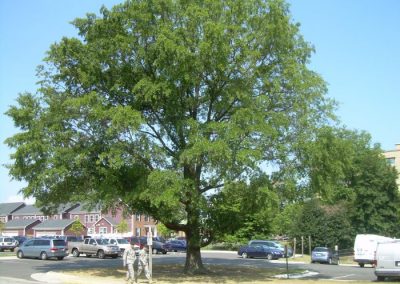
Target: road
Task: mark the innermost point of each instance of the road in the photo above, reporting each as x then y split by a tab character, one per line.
22	269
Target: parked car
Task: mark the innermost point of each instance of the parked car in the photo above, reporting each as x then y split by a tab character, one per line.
258	250
20	239
387	263
157	247
122	243
68	239
43	249
8	243
324	255
93	246
273	244
136	241
175	245
365	248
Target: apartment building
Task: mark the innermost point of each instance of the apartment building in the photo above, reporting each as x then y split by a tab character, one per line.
20	218
98	222
7	209
393	158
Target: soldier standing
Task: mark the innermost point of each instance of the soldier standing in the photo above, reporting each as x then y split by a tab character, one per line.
143	263
129	258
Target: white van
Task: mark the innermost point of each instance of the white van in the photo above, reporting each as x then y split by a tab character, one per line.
365	248
387	260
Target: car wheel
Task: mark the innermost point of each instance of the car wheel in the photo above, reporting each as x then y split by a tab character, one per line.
20	254
361	264
380	278
75	253
155	251
244	255
269	256
100	254
43	256
164	252
60	257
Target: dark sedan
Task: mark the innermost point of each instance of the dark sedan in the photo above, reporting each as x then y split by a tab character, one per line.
260	251
175	245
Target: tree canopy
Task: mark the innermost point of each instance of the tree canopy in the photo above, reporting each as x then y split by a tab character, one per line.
158	105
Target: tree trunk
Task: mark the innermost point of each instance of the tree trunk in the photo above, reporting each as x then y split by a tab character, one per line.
194	263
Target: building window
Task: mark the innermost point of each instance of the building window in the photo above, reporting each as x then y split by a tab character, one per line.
391	161
103	230
97	217
137	217
91	218
55	217
90	231
137	232
86	218
76	217
146	218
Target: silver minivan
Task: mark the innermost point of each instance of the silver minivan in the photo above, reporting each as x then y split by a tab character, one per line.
43	249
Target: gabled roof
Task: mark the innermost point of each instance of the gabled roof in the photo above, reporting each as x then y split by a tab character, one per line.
54	224
84	208
28	210
8	208
111	221
33	210
20	224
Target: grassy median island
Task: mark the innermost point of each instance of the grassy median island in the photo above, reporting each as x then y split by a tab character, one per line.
174	274
168	274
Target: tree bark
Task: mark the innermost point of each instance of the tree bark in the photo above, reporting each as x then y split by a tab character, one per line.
194	263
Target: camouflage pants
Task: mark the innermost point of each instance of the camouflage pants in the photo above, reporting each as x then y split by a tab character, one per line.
143	266
130	274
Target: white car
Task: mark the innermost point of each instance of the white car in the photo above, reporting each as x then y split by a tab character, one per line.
122	243
8	243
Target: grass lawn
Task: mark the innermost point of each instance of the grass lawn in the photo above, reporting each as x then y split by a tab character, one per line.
168	274
7	253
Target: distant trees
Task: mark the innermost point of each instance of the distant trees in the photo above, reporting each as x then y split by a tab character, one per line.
351	190
347	188
122	227
77	228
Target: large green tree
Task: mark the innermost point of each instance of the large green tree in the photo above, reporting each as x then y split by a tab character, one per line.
158	104
343	167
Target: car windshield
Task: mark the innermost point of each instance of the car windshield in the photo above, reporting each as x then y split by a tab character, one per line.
8	239
122	241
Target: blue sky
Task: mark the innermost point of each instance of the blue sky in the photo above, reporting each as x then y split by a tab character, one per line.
357	46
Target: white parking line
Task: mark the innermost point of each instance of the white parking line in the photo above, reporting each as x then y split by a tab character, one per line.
344	276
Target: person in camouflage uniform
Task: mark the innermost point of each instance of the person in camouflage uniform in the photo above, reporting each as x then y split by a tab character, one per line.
143	263
129	259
